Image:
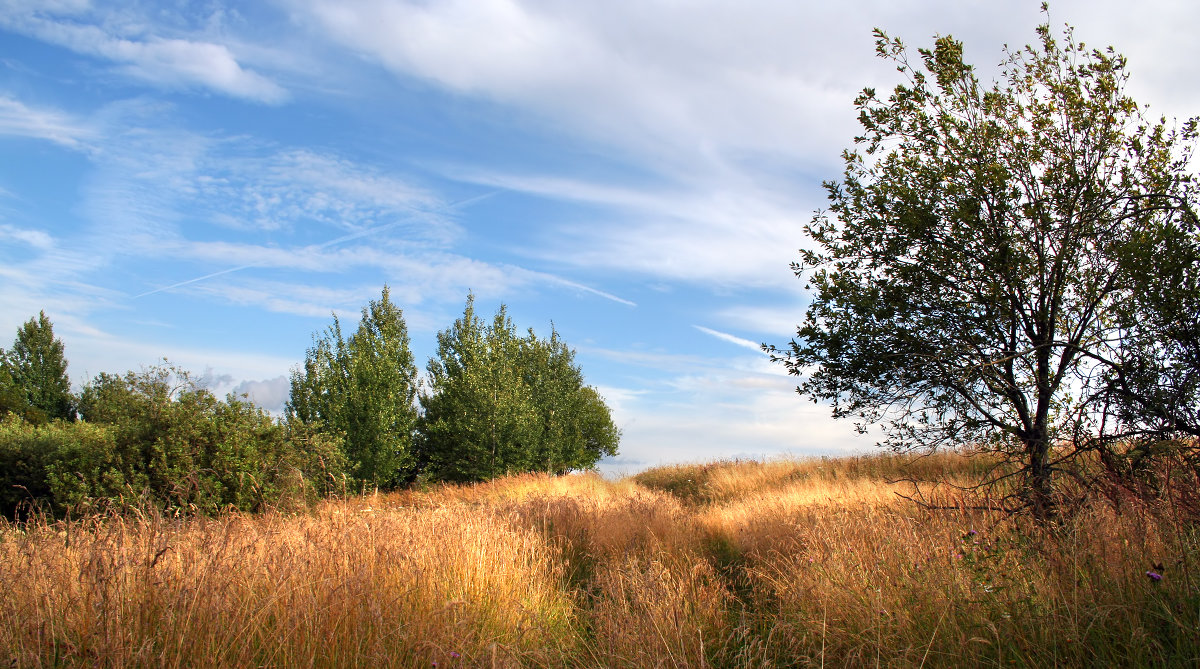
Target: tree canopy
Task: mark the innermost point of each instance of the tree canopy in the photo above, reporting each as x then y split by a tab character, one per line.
363	389
998	264
33	374
499	403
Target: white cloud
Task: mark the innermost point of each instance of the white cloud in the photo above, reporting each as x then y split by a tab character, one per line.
281	297
722	407
176	62
729	234
658	360
37	239
21	120
719	118
163	61
648	76
777	324
417	278
579	287
155	194
270	394
51	278
513	49
152	188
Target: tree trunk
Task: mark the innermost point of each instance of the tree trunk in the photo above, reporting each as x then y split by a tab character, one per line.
1038	490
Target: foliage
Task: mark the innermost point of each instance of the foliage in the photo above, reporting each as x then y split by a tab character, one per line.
980	276
33	374
574	427
500	403
60	464
363	389
477	416
1156	375
156	437
12	400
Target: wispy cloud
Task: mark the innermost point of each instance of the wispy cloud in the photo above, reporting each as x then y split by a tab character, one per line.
235	204
161	61
416	278
746	87
281	210
715	407
700	230
645	76
36	239
776	322
653	151
269	189
312	257
21	120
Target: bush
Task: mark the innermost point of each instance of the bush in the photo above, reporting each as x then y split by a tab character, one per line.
57	466
156	438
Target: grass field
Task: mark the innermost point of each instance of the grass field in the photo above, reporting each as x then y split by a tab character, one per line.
730	564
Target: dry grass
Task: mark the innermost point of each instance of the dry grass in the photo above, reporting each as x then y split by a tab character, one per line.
743	564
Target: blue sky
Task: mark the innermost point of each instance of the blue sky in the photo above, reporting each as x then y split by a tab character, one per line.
209	181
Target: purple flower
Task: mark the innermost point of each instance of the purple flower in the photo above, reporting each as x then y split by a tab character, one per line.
454	655
1154	576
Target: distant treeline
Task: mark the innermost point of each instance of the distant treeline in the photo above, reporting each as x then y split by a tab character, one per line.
495	402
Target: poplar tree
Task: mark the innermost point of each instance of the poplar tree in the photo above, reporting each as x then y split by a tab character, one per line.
364	390
500	403
478	416
33	374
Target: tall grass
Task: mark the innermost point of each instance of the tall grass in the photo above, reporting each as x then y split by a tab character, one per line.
735	564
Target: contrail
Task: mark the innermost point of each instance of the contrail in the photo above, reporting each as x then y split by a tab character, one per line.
588	289
189	281
333	242
725	336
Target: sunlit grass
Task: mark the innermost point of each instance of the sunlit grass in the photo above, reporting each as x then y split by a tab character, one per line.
735	564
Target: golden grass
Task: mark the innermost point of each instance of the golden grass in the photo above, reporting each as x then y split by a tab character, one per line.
343	586
738	564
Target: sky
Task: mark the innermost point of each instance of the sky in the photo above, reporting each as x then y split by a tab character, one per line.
210	182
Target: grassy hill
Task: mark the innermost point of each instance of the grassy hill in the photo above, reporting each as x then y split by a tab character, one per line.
728	564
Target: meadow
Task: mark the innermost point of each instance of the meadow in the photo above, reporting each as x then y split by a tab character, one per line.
729	564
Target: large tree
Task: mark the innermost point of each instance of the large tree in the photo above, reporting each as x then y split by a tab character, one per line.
363	388
33	374
973	274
